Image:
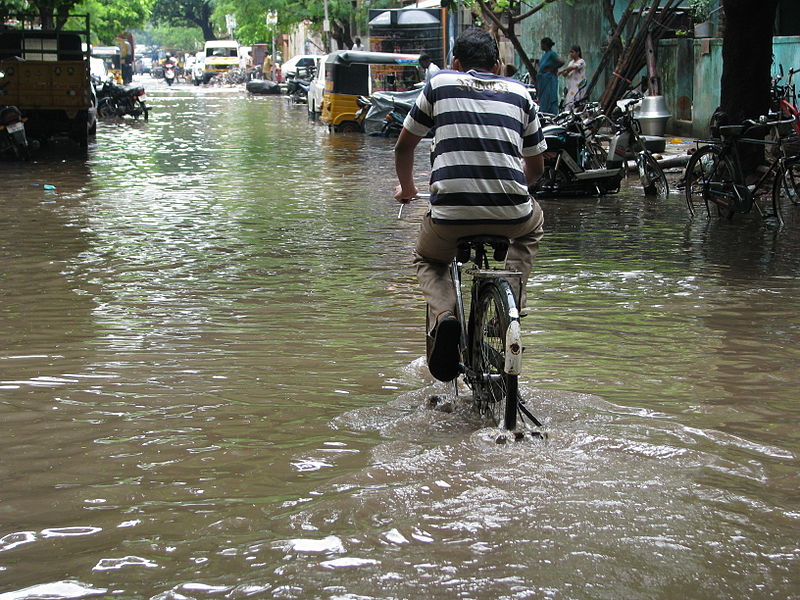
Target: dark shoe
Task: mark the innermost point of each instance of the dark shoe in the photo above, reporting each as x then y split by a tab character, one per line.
443	360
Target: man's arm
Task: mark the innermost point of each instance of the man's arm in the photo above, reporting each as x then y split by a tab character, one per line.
534	167
404	165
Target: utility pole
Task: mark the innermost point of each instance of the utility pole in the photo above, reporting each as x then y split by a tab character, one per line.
326	29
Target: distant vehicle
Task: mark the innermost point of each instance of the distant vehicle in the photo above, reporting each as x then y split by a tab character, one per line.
169	72
112	58
290	67
98	70
198	68
220	57
317	87
350	74
145	64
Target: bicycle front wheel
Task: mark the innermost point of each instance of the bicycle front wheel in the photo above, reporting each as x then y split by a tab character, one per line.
786	189
653	179
706	169
496	392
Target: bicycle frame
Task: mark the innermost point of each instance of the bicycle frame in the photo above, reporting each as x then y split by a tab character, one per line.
743	195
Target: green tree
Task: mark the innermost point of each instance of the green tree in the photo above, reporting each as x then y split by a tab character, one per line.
109	18
504	15
182	13
166	36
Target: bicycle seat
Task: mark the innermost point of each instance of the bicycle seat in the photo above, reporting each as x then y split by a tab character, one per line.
479	242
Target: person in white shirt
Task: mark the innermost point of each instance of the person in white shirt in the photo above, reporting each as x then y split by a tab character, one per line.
357	45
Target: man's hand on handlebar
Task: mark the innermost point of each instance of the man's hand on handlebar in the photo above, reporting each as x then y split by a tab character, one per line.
404	196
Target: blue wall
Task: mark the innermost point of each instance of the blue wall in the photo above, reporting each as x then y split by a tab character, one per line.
690	68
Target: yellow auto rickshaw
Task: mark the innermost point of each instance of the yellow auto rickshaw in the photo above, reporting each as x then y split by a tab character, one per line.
112	58
350	74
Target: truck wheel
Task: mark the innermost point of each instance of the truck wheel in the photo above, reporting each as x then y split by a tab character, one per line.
80	129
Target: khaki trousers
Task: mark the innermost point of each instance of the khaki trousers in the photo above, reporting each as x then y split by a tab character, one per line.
438	244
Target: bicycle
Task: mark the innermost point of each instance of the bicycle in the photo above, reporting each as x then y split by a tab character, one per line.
627	139
714	174
491	341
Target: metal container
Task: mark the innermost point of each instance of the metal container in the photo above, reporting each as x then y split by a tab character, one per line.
652	115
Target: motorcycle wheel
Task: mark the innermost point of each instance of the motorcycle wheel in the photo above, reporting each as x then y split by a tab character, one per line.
139	108
107	108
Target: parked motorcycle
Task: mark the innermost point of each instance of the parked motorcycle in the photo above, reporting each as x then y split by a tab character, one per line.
169	73
120	100
13	141
574	159
627	142
387	111
297	86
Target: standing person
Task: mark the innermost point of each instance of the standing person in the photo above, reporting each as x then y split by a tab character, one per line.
487	150
357	45
546	78
575	72
428	66
266	67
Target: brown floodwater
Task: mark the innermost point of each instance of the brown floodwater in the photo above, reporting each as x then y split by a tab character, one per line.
212	384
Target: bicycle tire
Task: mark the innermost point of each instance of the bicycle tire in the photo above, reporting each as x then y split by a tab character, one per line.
786	189
707	165
495	391
597	154
653	179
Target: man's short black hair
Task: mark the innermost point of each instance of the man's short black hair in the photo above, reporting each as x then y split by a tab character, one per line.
475	48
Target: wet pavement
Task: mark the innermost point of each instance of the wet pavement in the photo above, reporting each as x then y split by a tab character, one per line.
212	383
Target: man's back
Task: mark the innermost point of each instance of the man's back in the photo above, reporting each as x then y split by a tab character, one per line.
483	124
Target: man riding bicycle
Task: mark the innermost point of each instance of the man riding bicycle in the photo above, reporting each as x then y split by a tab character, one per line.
487	149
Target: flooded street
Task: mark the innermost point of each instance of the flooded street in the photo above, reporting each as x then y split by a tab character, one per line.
212	384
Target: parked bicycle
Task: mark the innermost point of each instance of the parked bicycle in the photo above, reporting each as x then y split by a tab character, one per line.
714	175
491	340
627	141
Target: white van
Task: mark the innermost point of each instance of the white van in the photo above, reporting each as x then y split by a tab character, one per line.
220	56
317	87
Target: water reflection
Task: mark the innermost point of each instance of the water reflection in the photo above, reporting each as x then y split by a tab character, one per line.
212	384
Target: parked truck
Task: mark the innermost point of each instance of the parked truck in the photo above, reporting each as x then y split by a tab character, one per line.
45	74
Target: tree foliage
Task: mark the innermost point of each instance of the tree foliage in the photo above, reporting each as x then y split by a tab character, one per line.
167	36
183	13
108	18
503	15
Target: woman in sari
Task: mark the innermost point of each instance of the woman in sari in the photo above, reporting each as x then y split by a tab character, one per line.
546	78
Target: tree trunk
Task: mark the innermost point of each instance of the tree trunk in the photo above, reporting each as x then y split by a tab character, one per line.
747	58
746	61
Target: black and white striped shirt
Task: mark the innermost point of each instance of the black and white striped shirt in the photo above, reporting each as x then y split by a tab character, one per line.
483	125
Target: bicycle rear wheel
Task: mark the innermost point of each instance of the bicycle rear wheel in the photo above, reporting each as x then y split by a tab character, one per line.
786	189
707	168
496	392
